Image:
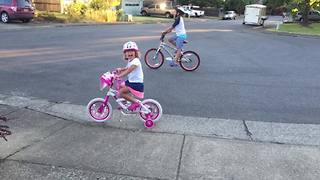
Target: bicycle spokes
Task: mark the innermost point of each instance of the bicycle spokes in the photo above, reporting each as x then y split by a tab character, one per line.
100	109
190	61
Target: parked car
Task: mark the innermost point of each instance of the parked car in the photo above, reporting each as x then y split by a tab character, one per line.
16	9
312	16
229	15
158	9
193	11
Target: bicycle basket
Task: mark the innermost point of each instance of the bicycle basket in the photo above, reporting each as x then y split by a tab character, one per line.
106	80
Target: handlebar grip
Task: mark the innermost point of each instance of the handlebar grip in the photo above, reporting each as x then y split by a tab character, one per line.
162	36
114	71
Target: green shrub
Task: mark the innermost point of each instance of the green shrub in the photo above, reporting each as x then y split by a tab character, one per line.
50	16
120	15
102	15
103	4
76	10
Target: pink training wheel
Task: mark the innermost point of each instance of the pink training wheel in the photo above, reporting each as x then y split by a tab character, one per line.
149	124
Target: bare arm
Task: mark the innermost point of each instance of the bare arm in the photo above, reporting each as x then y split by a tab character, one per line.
119	70
126	71
169	30
176	22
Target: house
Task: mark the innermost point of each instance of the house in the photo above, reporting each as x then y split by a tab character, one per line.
132	6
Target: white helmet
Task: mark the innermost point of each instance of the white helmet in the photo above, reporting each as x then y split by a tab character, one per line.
130	46
180	10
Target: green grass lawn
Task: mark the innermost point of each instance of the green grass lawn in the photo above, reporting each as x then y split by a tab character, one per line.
159	19
42	16
313	29
151	19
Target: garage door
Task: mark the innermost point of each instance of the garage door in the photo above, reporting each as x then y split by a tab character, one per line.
132	6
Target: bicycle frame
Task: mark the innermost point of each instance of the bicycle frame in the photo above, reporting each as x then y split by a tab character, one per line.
113	93
166	48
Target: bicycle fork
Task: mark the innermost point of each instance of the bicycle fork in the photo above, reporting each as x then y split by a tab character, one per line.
111	92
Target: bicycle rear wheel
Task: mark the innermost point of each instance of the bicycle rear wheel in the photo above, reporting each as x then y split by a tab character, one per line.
154	58
155	108
189	61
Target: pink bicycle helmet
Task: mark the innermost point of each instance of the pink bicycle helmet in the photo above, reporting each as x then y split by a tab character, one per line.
130	46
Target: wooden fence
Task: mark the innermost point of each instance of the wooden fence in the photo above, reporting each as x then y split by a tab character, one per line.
49	5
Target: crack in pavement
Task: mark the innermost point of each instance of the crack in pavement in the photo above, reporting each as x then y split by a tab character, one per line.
246	129
180	156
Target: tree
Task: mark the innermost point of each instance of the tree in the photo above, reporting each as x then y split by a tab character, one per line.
304	7
275	5
237	5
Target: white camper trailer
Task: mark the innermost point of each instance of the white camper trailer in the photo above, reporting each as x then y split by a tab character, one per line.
255	14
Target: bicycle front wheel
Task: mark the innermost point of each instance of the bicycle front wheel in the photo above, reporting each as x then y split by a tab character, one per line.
98	111
154	58
189	61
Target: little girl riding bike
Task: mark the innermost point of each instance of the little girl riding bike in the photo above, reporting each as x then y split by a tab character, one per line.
125	93
134	84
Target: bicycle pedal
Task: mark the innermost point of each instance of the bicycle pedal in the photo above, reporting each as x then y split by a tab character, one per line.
127	113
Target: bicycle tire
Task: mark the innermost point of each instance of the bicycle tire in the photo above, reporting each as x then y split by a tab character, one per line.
156	110
92	110
148	60
182	62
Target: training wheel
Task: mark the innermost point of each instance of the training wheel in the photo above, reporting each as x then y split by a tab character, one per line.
149	124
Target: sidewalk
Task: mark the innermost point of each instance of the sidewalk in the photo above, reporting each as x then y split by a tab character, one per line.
56	141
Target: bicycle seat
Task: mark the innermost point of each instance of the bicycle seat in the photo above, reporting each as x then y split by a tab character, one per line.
185	42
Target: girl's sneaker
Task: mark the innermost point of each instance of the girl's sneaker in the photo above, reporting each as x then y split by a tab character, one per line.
173	64
134	106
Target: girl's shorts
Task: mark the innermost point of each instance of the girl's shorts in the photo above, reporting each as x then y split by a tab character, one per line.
136	89
179	40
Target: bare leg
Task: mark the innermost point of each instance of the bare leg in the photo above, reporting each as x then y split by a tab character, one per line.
178	55
125	93
172	42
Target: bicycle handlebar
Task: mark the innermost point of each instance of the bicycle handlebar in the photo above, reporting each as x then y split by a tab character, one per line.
162	37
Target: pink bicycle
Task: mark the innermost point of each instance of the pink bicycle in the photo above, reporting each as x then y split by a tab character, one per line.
100	109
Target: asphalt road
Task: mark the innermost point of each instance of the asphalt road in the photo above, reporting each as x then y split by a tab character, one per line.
244	74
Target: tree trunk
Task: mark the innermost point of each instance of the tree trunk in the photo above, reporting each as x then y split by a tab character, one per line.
305	13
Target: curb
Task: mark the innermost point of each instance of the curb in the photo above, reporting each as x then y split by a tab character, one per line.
253	131
44	25
268	30
291	34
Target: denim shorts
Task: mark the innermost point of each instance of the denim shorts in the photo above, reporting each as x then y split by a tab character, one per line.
179	40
